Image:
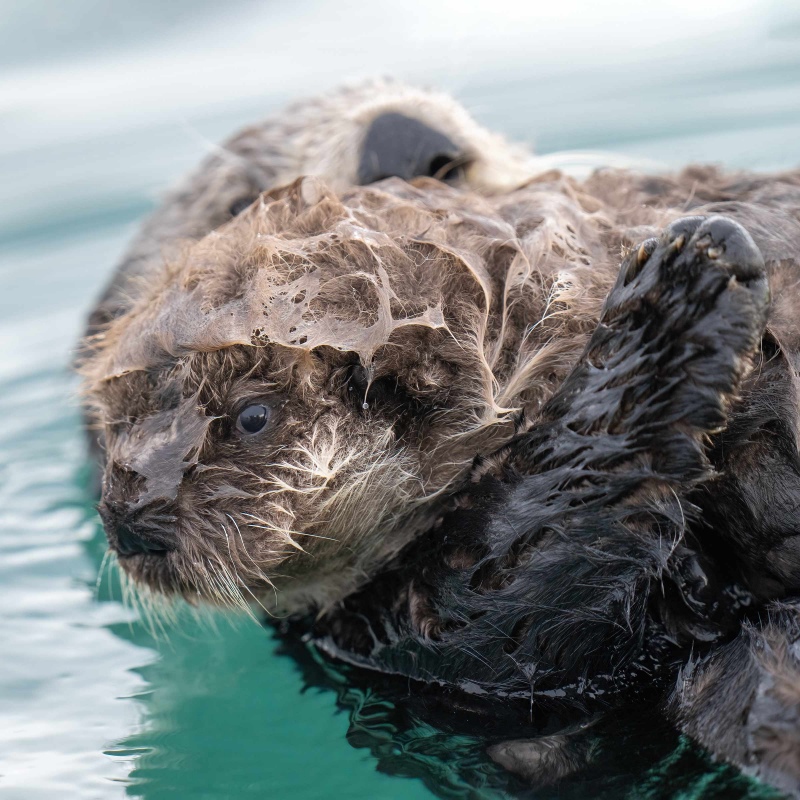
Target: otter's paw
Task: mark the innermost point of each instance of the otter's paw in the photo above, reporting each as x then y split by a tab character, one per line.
674	340
686	281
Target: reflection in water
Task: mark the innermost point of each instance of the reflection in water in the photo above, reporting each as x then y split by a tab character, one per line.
224	712
225	700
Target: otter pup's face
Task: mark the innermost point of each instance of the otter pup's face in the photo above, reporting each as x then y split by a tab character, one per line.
246	468
278	409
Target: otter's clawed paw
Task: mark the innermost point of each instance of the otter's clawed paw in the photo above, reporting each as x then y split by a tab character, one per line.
681	323
711	239
676	336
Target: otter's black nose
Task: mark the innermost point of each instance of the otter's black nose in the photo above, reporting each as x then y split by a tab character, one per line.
145	531
130	543
399	146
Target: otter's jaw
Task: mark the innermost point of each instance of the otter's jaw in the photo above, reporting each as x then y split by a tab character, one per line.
174	573
153	571
161	573
145	551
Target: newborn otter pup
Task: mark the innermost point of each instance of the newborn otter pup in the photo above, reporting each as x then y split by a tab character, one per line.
446	420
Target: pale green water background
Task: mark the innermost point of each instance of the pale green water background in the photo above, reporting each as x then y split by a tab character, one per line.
102	105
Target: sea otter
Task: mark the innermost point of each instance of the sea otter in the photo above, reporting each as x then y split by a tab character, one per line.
356	135
445	419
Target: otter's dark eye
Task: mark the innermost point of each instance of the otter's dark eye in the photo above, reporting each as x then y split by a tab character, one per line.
253	419
237	206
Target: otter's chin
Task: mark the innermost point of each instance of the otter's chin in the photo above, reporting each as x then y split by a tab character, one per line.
154	571
171	575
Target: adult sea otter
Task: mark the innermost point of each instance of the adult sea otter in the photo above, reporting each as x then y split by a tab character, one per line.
518	436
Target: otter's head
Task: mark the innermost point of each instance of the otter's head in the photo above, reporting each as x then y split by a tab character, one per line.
352	136
281	407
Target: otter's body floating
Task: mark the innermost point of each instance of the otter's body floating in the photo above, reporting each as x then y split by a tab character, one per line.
442	417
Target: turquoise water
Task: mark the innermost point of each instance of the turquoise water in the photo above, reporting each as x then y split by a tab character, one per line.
102	105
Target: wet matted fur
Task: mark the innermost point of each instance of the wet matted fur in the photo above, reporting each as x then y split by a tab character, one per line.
324	136
388	330
394	333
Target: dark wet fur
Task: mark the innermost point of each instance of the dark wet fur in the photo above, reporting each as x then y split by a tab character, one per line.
600	556
634	545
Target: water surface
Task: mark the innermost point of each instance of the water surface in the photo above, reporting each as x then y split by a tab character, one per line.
102	105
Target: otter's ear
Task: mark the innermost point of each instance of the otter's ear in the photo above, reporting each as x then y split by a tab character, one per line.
403	147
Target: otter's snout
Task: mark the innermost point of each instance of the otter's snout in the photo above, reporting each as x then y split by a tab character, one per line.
133	528
146	468
403	147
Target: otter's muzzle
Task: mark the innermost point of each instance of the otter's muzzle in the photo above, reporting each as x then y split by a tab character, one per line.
403	147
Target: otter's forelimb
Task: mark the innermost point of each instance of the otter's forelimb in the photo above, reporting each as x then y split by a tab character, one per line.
563	574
